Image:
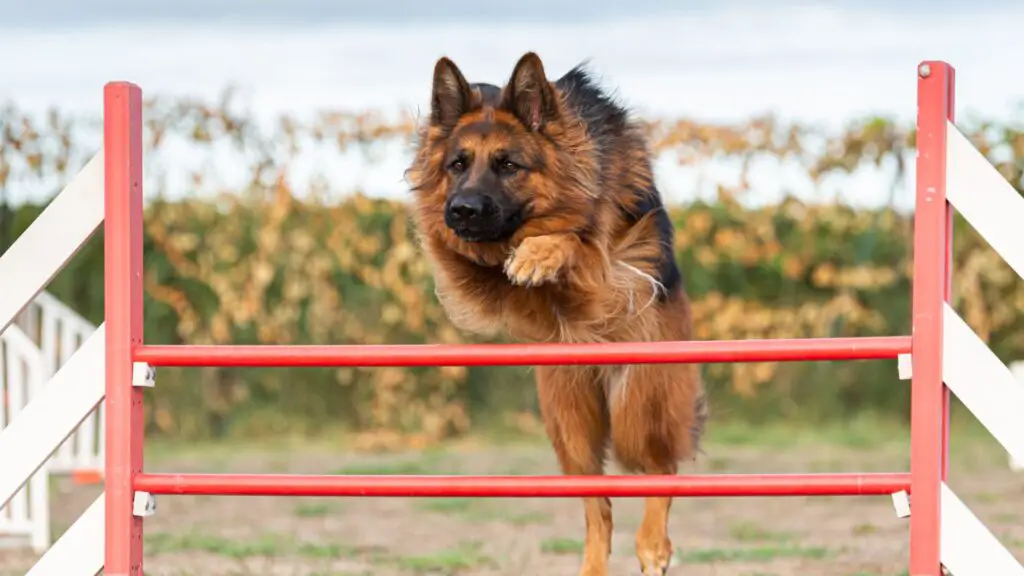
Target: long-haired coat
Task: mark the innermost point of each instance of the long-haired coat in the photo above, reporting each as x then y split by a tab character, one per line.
536	204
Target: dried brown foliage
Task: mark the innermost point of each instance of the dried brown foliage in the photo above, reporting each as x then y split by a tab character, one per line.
261	263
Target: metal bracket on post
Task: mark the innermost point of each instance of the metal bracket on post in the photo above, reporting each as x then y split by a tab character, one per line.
901	502
143	375
144	504
905	366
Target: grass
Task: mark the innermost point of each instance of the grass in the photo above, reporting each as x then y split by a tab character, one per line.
755	554
465	556
267	546
520	467
860	432
987	497
750	532
475	510
864	431
561	546
524	518
1011	541
864	529
457	506
221	453
1007	518
426	464
314	510
385	469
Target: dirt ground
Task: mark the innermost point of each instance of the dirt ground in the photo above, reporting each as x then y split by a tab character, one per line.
855	536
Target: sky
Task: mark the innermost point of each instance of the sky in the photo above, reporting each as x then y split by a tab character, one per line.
74	13
824	62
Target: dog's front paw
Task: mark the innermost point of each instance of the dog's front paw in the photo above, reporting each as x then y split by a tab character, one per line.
654	557
539	260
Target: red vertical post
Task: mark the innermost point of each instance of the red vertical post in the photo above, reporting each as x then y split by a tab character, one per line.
932	243
948	295
122	150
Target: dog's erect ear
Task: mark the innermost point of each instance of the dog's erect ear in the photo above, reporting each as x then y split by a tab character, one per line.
450	97
529	95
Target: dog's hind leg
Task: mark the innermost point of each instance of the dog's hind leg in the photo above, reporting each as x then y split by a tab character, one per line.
573	405
654	424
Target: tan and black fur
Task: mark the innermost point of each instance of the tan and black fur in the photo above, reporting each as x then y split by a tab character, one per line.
536	204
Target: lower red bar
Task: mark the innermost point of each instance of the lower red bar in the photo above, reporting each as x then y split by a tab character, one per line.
808	349
525	486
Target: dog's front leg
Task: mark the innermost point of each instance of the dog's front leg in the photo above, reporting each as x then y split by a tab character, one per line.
573	406
542	259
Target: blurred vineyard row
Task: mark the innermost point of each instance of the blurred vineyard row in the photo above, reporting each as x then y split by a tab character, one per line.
262	264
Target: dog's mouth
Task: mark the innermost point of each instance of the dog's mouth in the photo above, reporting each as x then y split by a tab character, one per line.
470	235
498	231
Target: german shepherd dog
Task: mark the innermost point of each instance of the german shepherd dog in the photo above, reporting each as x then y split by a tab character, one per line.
536	205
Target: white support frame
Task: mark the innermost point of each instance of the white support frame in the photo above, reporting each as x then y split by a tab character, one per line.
74	380
59	408
22	376
43	338
39	253
58	332
969	368
64	381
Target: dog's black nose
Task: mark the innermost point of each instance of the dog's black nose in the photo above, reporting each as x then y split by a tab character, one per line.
466	207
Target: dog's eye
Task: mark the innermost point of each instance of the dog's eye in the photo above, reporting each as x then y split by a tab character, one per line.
509	167
457	166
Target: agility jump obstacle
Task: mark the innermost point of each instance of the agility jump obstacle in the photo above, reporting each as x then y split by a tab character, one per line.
115	366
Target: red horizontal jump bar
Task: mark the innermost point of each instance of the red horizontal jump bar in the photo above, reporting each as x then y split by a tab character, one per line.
525	486
529	354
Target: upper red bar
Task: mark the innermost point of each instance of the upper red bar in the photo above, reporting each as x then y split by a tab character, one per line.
529	354
846	484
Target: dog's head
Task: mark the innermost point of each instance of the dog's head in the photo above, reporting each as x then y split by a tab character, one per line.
492	160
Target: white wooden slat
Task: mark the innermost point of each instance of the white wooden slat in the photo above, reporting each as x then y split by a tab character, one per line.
1017	369
37	497
985	199
68	341
39	510
48	340
52	239
4	352
983	383
65	454
16	401
967	547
